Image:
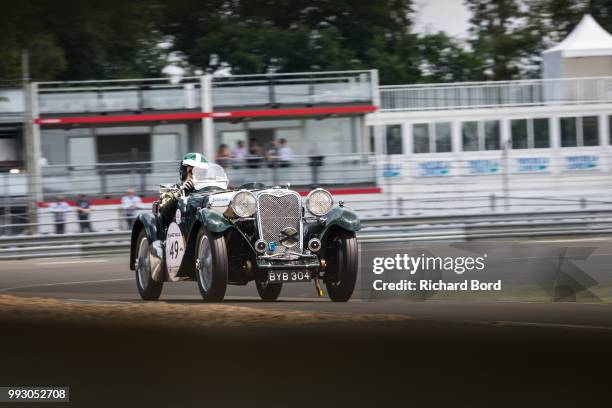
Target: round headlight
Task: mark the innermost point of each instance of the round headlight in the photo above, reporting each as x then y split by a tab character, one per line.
244	204
319	202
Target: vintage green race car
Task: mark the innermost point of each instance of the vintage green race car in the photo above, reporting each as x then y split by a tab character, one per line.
219	236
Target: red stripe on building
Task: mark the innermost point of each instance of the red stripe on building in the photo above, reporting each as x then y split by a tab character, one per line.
294	112
200	115
148	200
120	118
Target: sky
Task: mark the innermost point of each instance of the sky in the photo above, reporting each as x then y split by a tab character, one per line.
441	15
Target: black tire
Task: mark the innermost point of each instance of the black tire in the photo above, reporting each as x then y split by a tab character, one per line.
268	291
212	266
341	253
147	287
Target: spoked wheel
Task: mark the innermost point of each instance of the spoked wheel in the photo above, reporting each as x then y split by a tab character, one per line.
147	287
268	291
211	265
341	254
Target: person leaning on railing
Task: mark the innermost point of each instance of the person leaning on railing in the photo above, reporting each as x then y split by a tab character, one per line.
223	156
254	155
272	155
130	203
238	154
285	155
83	211
59	208
315	160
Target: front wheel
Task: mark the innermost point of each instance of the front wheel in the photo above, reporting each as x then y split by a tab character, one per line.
268	291
211	265
341	254
147	287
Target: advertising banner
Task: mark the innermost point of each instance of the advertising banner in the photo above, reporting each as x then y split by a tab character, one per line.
435	168
582	162
532	164
483	166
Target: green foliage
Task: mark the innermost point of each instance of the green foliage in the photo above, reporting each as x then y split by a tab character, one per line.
261	36
120	39
500	39
81	40
445	60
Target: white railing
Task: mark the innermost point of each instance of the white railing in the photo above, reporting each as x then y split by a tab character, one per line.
472	95
116	178
119	95
232	91
11	101
308	88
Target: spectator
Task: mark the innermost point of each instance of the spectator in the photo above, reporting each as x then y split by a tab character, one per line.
272	155
316	161
83	207
285	155
222	157
254	155
238	154
130	203
59	208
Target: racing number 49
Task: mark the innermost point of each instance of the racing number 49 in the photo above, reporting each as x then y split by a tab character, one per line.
174	250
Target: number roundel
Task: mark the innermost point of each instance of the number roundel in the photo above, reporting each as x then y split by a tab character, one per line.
175	249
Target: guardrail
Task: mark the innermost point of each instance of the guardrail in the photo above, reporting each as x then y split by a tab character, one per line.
494	94
188	93
381	230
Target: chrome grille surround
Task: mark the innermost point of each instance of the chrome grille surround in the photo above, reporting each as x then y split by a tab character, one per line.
278	209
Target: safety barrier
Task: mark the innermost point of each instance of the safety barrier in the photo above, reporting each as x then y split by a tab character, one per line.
380	229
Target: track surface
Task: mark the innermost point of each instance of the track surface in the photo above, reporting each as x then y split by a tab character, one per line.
450	354
108	279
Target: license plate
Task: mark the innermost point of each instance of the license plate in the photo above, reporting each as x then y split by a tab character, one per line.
289	276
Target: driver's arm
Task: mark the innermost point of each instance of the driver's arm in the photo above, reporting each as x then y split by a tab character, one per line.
167	204
168	200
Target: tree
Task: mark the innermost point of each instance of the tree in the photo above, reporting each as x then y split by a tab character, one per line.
21	31
443	59
259	36
82	40
501	39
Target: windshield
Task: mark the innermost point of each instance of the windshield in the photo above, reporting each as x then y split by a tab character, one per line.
212	172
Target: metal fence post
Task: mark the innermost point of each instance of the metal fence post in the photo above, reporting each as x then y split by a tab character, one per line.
506	175
143	181
103	183
492	202
7	205
275	172
272	91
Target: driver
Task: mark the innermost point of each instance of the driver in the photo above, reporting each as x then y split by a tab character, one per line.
168	200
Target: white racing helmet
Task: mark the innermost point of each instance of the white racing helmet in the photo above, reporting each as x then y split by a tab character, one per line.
195	160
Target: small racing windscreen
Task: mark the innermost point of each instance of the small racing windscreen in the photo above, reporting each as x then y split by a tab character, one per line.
212	174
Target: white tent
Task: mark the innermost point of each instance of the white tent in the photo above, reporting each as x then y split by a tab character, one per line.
585	52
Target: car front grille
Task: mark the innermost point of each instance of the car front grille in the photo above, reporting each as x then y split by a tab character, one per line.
277	212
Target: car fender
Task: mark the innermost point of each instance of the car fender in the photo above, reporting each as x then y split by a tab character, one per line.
341	217
213	220
147	221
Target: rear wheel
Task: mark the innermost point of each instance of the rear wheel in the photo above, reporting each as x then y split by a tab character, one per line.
147	287
268	291
211	265
341	254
